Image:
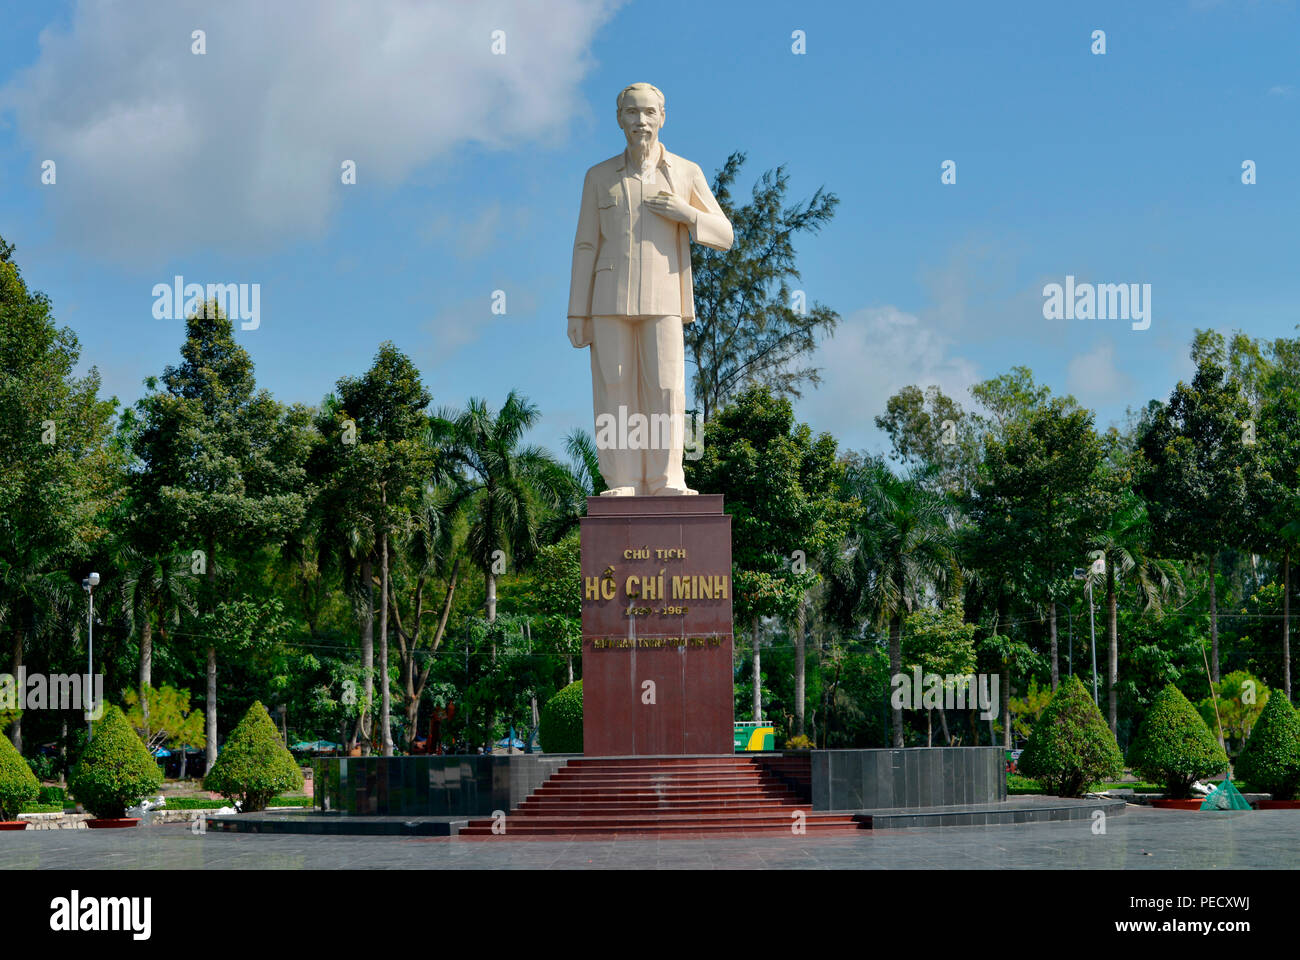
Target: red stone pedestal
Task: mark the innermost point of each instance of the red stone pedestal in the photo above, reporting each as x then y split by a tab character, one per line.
656	626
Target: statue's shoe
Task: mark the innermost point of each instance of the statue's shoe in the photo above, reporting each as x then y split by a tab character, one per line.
619	492
675	492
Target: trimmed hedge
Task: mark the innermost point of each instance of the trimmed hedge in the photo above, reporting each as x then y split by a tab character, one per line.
115	771
1174	747
1270	760
51	795
1071	746
560	729
18	785
254	766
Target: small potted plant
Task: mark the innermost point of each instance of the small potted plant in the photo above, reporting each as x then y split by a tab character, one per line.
18	786
1174	747
254	767
1270	760
114	773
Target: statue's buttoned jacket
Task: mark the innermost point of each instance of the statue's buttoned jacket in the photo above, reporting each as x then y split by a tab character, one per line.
630	261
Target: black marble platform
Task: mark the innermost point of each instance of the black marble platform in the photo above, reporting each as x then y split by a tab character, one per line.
911	777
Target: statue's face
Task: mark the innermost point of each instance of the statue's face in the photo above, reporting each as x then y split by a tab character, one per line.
640	117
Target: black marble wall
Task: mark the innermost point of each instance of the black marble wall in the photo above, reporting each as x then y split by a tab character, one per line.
429	786
914	777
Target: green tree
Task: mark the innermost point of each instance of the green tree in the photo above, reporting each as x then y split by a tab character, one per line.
1278	491
162	717
1240	700
940	641
255	766
1036	500
552	597
1174	747
931	436
782	487
748	327
1071	747
59	472
18	785
506	485
1123	546
1197	472
901	544
1271	758
389	459
221	462
115	771
1026	711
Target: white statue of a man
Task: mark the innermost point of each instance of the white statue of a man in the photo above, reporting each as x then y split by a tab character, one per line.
631	292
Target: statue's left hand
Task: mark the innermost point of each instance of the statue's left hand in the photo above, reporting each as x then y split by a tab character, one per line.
671	207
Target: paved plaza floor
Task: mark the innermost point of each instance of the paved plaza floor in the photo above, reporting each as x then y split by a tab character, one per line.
1139	839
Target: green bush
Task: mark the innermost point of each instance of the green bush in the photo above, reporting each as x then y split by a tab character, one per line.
1174	747
115	771
1271	758
18	785
560	729
254	766
1071	746
52	795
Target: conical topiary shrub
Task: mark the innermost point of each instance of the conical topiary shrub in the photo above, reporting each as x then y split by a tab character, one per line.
1174	747
1071	746
18	785
1271	758
115	771
560	724
254	767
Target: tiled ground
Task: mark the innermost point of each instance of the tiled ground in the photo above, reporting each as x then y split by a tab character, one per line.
1140	839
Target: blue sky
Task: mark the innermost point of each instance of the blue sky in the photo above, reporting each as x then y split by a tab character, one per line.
1121	168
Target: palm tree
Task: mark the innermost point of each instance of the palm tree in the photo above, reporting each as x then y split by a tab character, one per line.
901	545
584	480
507	485
153	584
1123	546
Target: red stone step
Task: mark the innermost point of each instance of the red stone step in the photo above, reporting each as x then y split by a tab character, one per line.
610	796
656	803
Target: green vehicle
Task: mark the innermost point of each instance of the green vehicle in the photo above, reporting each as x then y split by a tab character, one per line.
754	736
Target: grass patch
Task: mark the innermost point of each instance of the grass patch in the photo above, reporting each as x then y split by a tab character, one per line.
1018	785
206	803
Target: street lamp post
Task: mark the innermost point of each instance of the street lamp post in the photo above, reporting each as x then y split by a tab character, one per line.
89	584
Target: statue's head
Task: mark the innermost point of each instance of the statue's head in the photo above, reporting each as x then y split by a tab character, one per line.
641	113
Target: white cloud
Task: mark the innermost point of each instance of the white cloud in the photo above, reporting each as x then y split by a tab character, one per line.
874	353
161	151
1094	379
